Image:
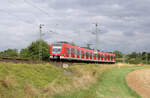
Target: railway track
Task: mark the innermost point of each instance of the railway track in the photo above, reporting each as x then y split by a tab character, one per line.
30	61
19	60
59	63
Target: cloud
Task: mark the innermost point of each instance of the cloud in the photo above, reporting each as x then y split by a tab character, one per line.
123	25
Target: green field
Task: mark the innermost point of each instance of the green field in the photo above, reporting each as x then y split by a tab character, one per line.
80	81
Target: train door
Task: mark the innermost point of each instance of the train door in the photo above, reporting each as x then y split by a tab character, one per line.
111	58
66	52
98	57
82	54
78	53
94	56
105	57
102	57
75	53
108	57
72	53
91	56
87	55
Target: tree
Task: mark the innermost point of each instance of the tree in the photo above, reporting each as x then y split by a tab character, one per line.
133	55
118	54
1	54
24	53
9	53
32	51
72	43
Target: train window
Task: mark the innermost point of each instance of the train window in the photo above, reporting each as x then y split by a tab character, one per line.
82	53
56	49
67	50
78	52
75	51
72	51
106	57
102	56
112	57
87	54
99	56
95	55
91	55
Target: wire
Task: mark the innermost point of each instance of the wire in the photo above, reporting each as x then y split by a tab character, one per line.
15	16
43	11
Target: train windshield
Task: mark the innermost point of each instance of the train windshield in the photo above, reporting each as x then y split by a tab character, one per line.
57	49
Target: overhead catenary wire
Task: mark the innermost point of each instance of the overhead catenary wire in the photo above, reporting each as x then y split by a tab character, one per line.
9	13
40	9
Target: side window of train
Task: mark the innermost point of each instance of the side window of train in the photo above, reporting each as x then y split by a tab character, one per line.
75	51
102	56
99	56
82	52
67	50
91	55
113	57
72	51
78	52
87	54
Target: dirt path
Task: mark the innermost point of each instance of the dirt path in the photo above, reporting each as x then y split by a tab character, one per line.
139	81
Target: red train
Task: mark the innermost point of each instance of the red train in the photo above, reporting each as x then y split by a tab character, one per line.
65	51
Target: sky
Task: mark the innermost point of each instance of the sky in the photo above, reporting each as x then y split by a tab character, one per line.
122	24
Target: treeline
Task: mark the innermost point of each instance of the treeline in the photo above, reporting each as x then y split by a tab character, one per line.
32	52
133	58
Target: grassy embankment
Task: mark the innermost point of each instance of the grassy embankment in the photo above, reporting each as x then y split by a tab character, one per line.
110	84
81	81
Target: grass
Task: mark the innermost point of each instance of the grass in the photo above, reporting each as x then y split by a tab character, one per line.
20	79
80	81
111	84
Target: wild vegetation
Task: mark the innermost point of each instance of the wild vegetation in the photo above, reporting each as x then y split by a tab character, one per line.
31	52
80	81
133	58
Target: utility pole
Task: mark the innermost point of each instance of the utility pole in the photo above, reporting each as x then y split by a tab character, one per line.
40	44
96	46
88	45
146	58
123	58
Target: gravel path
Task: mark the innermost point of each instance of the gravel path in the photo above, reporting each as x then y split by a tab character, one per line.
139	81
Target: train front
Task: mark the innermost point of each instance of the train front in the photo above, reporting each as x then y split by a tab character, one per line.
55	50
